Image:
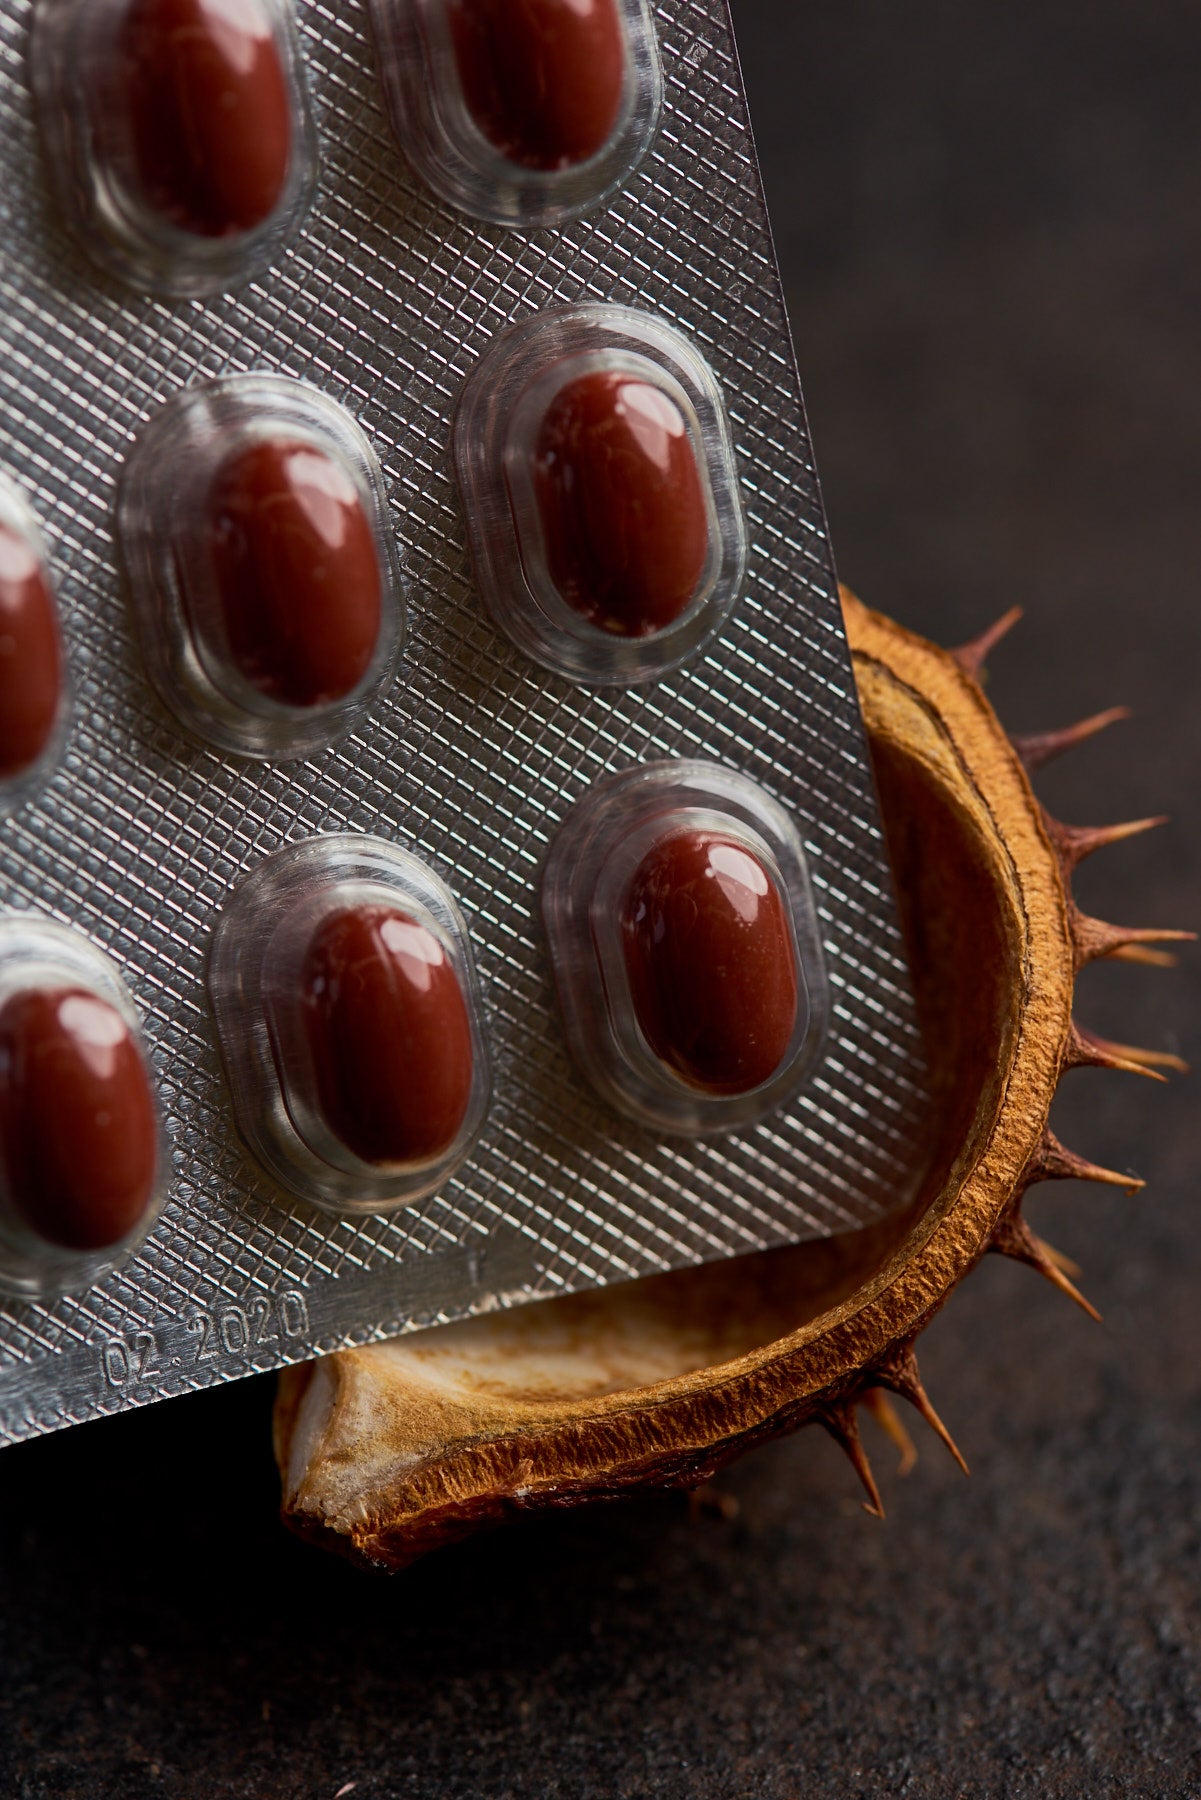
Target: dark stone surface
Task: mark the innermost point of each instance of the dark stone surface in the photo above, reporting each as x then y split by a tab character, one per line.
989	219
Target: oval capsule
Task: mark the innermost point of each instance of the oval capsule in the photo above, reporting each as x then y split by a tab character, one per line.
711	962
78	1124
31	664
543	80
389	1035
202	91
296	574
622	503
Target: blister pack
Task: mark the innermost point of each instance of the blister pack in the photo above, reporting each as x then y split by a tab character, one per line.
440	861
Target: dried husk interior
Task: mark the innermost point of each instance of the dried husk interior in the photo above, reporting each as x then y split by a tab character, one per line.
389	1450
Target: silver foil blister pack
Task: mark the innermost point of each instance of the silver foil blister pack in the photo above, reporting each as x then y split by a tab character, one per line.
469	754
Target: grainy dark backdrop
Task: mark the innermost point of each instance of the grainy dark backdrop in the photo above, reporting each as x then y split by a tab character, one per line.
989	218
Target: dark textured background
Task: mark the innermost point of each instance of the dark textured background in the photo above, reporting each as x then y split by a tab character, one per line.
989	222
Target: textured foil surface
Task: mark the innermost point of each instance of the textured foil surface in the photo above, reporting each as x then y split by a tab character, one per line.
384	301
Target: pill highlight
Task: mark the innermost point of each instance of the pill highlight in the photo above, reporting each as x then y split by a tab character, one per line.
622	503
389	1035
296	574
542	79
78	1126
202	91
31	664
710	961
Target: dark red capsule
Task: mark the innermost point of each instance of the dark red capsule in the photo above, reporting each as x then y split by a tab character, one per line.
296	573
710	960
78	1132
389	1035
542	79
622	503
201	93
31	663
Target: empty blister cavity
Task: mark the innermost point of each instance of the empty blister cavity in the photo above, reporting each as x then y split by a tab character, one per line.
83	1158
685	946
261	564
34	699
348	1010
176	133
524	112
600	493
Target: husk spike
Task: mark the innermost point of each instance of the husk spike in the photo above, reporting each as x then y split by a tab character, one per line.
1095	939
899	1371
973	655
840	1419
1086	1050
1057	1278
889	1419
1074	842
1038	747
1139	953
1013	1237
1065	1264
1053	1161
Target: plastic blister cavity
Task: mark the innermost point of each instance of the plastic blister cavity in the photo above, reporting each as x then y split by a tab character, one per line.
83	1155
685	946
177	134
347	1005
262	569
524	112
600	493
34	691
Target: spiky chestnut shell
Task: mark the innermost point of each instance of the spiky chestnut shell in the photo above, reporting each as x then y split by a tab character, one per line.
393	1449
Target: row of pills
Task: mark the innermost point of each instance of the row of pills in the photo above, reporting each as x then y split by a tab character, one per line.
684	947
181	141
601	499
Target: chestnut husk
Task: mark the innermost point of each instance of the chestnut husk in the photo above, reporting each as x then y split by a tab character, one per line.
390	1450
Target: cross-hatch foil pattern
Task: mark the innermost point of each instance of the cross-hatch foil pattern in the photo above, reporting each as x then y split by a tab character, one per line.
385	300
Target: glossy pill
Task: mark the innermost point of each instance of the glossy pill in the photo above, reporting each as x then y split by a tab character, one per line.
622	503
78	1131
710	961
202	88
296	574
389	1035
31	670
543	80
